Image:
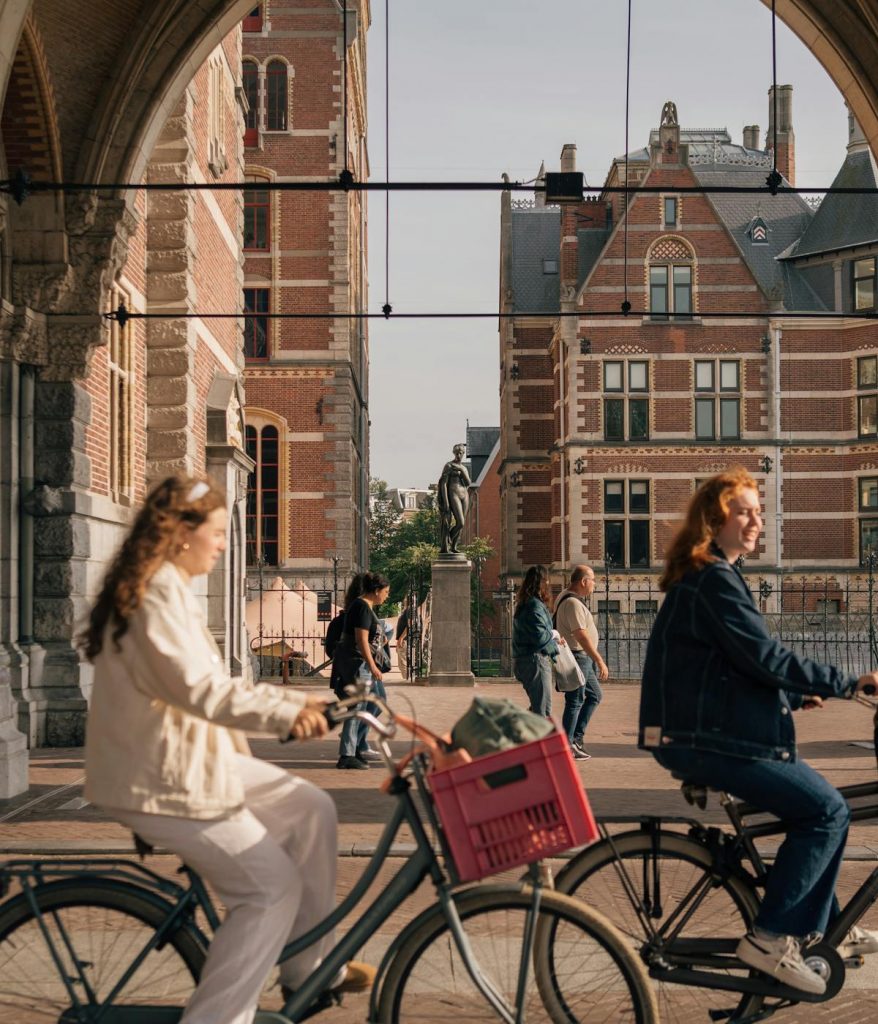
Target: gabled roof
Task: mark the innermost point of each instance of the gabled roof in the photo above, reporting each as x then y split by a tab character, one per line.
480	443
787	216
844	220
535	236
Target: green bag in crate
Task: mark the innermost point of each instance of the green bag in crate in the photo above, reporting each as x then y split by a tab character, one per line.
493	724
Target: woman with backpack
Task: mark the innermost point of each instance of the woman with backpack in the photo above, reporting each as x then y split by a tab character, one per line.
358	658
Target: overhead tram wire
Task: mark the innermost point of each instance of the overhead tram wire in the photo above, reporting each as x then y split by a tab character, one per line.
626	305
387	309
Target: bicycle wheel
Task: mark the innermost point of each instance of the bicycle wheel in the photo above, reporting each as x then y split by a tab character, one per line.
682	871
588	974
103	925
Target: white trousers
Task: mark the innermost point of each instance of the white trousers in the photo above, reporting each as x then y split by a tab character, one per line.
273	866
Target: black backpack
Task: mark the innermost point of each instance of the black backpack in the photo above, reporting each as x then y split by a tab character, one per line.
333	634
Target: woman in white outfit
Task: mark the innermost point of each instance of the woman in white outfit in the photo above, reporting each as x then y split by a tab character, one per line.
166	755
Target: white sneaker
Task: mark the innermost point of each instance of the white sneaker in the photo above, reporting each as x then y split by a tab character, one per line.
858	942
782	959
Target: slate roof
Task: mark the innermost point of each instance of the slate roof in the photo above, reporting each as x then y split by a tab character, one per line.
787	216
480	443
842	221
535	236
591	245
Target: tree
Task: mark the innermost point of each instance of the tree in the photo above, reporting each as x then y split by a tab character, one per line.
384	519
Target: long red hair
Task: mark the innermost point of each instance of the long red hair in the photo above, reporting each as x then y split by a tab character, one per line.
175	501
707	513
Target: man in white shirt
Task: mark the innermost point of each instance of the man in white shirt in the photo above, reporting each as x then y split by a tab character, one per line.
575	623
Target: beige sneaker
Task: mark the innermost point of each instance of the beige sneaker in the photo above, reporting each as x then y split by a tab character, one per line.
782	959
858	942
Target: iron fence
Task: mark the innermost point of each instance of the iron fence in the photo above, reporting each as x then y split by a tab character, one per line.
831	618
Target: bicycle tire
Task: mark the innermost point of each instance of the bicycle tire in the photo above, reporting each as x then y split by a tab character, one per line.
107	922
726	912
600	979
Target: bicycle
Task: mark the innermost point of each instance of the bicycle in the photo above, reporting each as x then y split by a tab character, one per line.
112	942
685	899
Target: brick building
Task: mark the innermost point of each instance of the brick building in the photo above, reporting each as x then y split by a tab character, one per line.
609	421
307	379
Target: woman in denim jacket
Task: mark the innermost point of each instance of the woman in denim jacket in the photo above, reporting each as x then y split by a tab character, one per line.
534	640
715	709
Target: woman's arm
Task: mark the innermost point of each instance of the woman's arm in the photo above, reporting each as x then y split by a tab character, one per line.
731	620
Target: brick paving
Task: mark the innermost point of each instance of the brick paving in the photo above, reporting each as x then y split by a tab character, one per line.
620	780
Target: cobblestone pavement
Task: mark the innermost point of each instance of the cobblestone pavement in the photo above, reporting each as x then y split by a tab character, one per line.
52	817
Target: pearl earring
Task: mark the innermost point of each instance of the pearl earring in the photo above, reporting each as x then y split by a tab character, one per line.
185	546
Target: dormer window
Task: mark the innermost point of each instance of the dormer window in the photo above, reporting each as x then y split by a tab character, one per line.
758	231
864	284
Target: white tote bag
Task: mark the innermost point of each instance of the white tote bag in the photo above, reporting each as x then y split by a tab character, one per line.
568	674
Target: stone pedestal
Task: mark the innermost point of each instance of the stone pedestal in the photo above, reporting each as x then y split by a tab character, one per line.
451	637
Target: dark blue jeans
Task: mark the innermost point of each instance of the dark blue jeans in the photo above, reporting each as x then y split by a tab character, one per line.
800	889
534	672
580	705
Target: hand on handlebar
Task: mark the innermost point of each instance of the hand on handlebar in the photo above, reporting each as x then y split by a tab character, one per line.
311	722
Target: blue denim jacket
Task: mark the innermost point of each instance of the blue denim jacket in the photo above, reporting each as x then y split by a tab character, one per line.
715	680
532	630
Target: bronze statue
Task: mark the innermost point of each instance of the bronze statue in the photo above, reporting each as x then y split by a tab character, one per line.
452	496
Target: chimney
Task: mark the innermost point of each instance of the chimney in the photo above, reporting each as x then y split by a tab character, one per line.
785	157
568	157
751	136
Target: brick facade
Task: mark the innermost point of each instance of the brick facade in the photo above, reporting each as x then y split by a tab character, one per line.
311	383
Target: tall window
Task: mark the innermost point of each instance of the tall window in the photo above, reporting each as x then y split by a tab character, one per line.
670	278
276	96
864	284
629	378
257	217
263	496
669	211
253	20
626	530
256	306
867	505
717	399
250	81
120	366
867	403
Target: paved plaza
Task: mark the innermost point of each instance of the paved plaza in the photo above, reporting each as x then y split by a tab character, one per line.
52	818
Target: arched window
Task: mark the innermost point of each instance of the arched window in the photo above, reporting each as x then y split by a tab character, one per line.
670	280
250	80
257	215
276	96
263	496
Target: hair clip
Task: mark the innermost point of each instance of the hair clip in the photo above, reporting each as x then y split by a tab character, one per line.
198	490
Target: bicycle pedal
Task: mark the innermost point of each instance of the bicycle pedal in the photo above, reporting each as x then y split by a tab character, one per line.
854	963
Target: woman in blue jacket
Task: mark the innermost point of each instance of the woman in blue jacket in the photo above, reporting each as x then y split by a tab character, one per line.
716	703
534	641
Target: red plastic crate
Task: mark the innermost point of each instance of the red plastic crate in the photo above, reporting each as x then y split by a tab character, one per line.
513	808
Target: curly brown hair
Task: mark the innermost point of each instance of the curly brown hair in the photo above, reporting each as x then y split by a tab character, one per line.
707	513
534	584
175	501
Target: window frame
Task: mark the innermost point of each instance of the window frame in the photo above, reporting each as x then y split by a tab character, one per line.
272	92
867	522
861	506
610	507
620	363
256	515
856	278
253	22
252	91
258	186
669	287
252	314
719	398
676	209
620	402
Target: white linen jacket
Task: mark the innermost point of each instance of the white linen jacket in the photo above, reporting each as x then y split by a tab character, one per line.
163	723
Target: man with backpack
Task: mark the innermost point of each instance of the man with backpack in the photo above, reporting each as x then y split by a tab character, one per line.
576	624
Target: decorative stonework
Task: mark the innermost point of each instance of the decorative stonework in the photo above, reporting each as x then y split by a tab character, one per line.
670	250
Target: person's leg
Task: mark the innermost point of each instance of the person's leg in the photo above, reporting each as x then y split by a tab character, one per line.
528	672
801	884
546	685
303	820
572	706
262	889
593	694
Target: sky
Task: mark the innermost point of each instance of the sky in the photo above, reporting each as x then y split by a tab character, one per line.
479	87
